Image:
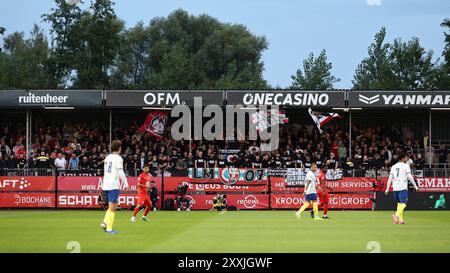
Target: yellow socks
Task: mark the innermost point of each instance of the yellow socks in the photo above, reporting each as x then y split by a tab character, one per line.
305	206
316	209
105	220
400	208
109	217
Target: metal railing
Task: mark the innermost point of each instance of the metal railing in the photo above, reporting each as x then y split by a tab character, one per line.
27	172
426	172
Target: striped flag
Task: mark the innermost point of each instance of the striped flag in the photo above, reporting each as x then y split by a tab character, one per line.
321	119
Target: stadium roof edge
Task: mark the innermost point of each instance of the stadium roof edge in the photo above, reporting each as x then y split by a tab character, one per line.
337	98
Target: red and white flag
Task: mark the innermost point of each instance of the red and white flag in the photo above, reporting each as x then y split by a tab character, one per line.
265	119
155	123
321	119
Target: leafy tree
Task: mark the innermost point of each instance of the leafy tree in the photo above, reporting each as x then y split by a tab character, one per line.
397	66
374	72
316	74
411	65
131	64
23	61
183	51
66	41
446	53
444	79
86	43
100	42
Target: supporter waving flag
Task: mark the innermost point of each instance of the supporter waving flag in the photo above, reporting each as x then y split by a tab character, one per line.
321	119
155	123
264	119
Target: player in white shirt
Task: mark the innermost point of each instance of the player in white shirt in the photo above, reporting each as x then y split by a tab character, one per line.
398	177
113	175
310	193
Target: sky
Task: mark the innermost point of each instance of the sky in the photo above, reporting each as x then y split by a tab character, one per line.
293	28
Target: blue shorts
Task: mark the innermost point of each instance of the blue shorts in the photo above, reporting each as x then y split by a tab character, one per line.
401	196
112	196
311	197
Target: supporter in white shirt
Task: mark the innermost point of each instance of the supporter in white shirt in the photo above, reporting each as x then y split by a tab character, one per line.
60	162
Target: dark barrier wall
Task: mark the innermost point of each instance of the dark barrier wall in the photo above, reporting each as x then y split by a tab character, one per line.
289	98
161	98
49	98
416	201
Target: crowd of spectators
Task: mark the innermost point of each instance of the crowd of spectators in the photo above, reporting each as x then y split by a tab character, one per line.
83	147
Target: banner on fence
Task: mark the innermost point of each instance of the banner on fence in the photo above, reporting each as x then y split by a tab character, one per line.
425	184
433	184
238	176
171	184
241	201
91	200
336	201
346	184
27	183
94	183
27	200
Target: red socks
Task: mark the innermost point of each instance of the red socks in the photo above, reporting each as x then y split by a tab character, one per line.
325	208
136	210
146	211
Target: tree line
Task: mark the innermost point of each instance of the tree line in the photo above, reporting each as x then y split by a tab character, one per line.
92	49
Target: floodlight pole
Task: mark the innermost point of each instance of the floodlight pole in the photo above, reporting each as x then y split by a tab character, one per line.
110	128
28	133
430	159
350	133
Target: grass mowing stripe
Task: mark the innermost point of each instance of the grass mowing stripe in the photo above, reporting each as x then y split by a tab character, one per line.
234	231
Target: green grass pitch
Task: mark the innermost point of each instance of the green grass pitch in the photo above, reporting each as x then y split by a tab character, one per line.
241	231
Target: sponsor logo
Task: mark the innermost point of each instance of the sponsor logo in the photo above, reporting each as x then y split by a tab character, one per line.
346	201
406	99
289	200
434	184
43	99
163	99
267	98
34	200
91	200
191	201
249	201
206	187
369	100
20	184
233	176
229	176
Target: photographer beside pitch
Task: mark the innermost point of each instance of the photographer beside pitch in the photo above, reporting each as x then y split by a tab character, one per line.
398	177
153	192
182	201
111	184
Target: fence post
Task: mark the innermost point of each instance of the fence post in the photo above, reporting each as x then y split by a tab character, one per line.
269	189
163	204
56	188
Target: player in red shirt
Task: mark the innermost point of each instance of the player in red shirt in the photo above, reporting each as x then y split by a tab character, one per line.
143	184
322	190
